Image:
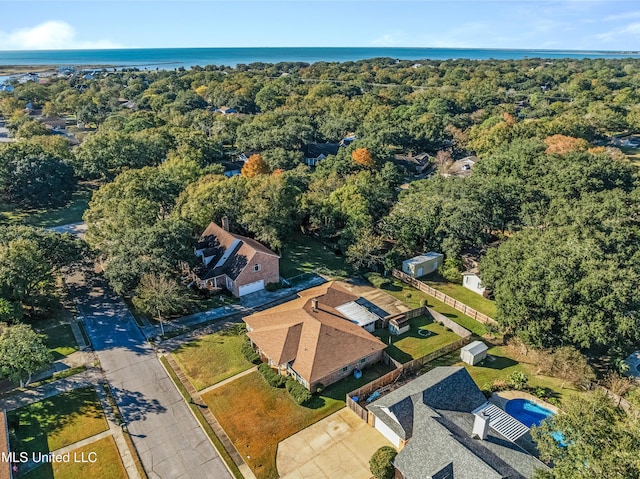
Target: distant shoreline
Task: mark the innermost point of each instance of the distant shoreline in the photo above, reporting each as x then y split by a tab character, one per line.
13	62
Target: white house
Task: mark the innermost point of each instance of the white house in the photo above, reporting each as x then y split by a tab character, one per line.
422	265
472	281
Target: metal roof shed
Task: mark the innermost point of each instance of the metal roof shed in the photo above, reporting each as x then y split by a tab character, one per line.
474	352
422	265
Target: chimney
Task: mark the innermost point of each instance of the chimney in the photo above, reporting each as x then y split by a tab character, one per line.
314	305
225	223
481	426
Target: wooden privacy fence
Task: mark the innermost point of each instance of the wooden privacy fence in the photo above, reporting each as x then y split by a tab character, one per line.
440	296
383	383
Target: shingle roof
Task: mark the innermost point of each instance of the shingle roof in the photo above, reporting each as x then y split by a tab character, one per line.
318	341
215	241
433	412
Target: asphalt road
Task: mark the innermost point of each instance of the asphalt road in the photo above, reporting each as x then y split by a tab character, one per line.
168	438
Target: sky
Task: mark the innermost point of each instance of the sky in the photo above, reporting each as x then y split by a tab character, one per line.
86	24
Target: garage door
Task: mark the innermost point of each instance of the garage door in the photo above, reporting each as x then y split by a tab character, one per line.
251	287
387	432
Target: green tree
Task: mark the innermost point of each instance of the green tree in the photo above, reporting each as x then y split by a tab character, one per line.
159	296
38	181
381	463
22	353
598	440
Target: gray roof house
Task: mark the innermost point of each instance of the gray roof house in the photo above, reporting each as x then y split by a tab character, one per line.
434	420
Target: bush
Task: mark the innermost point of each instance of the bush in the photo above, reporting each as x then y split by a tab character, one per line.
273	379
518	380
381	463
298	392
249	353
271	287
451	270
319	388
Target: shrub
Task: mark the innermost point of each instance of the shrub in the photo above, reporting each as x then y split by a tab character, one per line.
298	392
451	270
249	353
381	463
518	380
273	379
319	388
271	287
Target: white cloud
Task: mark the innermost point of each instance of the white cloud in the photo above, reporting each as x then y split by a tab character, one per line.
631	30
51	35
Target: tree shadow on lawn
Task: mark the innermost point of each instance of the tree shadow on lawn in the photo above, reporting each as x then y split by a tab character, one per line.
390	287
32	425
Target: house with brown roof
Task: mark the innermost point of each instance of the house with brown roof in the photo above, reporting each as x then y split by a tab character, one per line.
230	261
311	340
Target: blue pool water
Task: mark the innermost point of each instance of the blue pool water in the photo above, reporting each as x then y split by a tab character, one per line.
527	412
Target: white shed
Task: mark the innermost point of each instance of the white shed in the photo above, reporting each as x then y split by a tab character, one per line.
474	352
472	281
422	265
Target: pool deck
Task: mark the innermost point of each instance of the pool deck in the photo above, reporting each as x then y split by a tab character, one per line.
633	361
501	399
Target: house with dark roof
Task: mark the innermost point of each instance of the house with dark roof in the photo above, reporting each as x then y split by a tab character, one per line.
445	428
311	340
316	152
228	260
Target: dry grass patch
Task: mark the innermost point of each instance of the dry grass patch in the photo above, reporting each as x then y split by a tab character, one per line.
256	417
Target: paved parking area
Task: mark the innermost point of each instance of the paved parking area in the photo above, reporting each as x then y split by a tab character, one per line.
339	446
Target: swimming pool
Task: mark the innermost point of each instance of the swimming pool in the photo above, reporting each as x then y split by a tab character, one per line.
527	412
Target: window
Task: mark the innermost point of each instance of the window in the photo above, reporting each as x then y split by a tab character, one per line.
256	267
363	360
345	369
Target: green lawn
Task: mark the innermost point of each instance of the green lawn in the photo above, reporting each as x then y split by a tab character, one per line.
212	359
415	298
256	417
57	421
412	345
60	341
462	294
304	254
501	367
108	464
46	218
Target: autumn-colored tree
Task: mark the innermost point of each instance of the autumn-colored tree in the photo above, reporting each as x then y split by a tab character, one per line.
561	144
254	166
363	157
202	91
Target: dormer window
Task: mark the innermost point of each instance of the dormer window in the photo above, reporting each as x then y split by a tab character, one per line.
256	267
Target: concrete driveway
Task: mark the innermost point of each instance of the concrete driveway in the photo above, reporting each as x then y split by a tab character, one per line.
339	446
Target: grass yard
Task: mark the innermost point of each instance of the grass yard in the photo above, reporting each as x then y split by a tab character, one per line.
107	466
57	421
462	294
60	341
212	359
46	218
256	417
415	298
502	367
304	254
412	345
